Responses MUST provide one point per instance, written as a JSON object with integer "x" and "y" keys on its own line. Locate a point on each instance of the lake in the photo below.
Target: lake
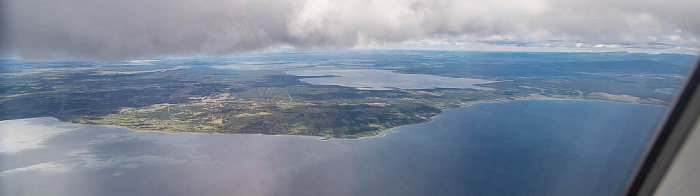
{"x": 375, "y": 79}
{"x": 528, "y": 147}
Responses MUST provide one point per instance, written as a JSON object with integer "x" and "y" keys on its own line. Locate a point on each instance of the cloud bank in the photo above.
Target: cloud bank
{"x": 114, "y": 29}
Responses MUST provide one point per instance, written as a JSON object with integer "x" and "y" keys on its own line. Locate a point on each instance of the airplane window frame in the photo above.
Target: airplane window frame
{"x": 669, "y": 139}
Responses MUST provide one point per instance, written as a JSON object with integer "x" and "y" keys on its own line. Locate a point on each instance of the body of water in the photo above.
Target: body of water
{"x": 670, "y": 91}
{"x": 374, "y": 79}
{"x": 533, "y": 147}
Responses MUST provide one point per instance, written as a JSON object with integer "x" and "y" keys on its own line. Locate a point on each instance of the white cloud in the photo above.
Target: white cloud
{"x": 607, "y": 46}
{"x": 144, "y": 28}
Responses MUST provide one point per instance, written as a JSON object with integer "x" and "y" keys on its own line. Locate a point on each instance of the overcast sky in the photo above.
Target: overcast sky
{"x": 119, "y": 29}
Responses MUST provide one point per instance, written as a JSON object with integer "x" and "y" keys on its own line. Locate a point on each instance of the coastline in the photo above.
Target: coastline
{"x": 380, "y": 133}
{"x": 388, "y": 131}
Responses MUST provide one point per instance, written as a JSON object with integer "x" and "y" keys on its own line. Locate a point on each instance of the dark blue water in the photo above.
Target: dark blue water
{"x": 541, "y": 147}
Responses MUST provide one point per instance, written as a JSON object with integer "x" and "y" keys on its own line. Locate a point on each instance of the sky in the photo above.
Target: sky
{"x": 130, "y": 29}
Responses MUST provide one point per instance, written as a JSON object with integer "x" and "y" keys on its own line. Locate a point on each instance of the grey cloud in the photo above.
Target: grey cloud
{"x": 127, "y": 28}
{"x": 113, "y": 29}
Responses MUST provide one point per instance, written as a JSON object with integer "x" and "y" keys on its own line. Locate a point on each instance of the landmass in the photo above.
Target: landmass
{"x": 333, "y": 95}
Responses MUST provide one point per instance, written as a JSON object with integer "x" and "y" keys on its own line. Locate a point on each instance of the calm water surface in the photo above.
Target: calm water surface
{"x": 375, "y": 79}
{"x": 535, "y": 147}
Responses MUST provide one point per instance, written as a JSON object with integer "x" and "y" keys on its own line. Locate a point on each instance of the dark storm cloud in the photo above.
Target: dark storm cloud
{"x": 111, "y": 29}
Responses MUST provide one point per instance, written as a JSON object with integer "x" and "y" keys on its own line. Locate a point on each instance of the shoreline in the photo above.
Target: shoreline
{"x": 381, "y": 133}
{"x": 388, "y": 131}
